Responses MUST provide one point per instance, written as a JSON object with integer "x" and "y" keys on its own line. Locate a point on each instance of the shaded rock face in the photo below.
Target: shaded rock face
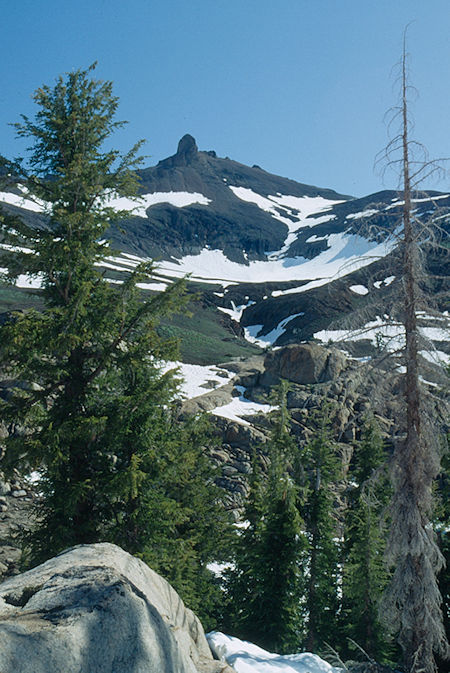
{"x": 187, "y": 146}
{"x": 96, "y": 609}
{"x": 303, "y": 364}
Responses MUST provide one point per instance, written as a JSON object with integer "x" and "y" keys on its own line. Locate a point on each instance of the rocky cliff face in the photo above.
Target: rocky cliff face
{"x": 96, "y": 609}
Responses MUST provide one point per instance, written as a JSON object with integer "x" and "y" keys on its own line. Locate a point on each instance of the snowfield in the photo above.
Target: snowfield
{"x": 36, "y": 205}
{"x": 298, "y": 211}
{"x": 138, "y": 206}
{"x": 245, "y": 657}
{"x": 346, "y": 253}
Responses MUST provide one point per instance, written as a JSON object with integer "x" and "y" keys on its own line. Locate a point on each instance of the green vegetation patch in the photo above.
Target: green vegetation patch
{"x": 204, "y": 339}
{"x": 15, "y": 298}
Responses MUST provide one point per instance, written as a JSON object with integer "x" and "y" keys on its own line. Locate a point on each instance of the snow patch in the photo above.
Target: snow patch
{"x": 235, "y": 312}
{"x": 252, "y": 331}
{"x": 36, "y": 205}
{"x": 241, "y": 406}
{"x": 362, "y": 213}
{"x": 314, "y": 238}
{"x": 382, "y": 333}
{"x": 390, "y": 337}
{"x": 296, "y": 211}
{"x": 359, "y": 289}
{"x": 199, "y": 379}
{"x": 29, "y": 282}
{"x": 244, "y": 657}
{"x": 436, "y": 357}
{"x": 346, "y": 253}
{"x": 139, "y": 206}
{"x": 387, "y": 281}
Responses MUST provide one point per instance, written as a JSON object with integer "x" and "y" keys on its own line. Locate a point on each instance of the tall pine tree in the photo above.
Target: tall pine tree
{"x": 97, "y": 409}
{"x": 365, "y": 575}
{"x": 265, "y": 587}
{"x": 321, "y": 464}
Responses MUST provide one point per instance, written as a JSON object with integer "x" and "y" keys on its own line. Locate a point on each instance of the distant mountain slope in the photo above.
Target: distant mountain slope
{"x": 274, "y": 261}
{"x": 221, "y": 219}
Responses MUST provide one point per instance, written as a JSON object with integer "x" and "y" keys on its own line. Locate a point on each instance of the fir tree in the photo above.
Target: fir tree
{"x": 365, "y": 575}
{"x": 115, "y": 462}
{"x": 322, "y": 470}
{"x": 266, "y": 584}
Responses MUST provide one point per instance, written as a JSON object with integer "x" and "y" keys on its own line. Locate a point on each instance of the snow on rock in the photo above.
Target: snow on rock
{"x": 29, "y": 282}
{"x": 435, "y": 333}
{"x": 241, "y": 406}
{"x": 359, "y": 289}
{"x": 346, "y": 253}
{"x": 398, "y": 202}
{"x": 34, "y": 204}
{"x": 315, "y": 239}
{"x": 392, "y": 335}
{"x": 245, "y": 657}
{"x": 235, "y": 312}
{"x": 252, "y": 331}
{"x": 362, "y": 213}
{"x": 436, "y": 357}
{"x": 387, "y": 281}
{"x": 139, "y": 205}
{"x": 297, "y": 211}
{"x": 389, "y": 335}
{"x": 199, "y": 379}
{"x": 24, "y": 280}
{"x": 155, "y": 287}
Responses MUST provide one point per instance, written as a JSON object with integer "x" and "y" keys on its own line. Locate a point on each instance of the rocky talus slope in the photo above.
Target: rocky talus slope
{"x": 353, "y": 390}
{"x": 316, "y": 374}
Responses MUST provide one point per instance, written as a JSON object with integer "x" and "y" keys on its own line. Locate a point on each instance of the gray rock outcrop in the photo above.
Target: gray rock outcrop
{"x": 303, "y": 363}
{"x": 96, "y": 609}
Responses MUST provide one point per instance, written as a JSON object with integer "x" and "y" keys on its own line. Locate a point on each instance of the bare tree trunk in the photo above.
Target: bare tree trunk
{"x": 412, "y": 600}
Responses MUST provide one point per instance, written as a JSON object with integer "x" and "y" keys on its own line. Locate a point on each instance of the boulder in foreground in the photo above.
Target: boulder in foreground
{"x": 96, "y": 609}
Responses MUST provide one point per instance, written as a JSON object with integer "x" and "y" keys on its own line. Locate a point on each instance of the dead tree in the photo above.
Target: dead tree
{"x": 412, "y": 603}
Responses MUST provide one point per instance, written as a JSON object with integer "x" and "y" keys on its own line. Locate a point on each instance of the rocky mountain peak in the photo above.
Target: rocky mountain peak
{"x": 187, "y": 146}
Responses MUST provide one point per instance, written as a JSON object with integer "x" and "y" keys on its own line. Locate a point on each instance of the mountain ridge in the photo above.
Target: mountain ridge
{"x": 276, "y": 260}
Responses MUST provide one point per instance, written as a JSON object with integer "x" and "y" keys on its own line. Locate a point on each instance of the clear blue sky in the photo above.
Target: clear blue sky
{"x": 299, "y": 87}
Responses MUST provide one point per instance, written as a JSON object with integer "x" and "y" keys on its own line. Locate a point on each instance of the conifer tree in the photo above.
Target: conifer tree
{"x": 322, "y": 469}
{"x": 365, "y": 575}
{"x": 97, "y": 409}
{"x": 266, "y": 584}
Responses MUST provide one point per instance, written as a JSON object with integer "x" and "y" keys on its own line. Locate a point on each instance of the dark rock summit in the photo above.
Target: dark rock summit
{"x": 187, "y": 146}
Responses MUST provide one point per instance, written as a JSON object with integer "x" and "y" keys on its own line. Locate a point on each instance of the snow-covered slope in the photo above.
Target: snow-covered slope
{"x": 280, "y": 260}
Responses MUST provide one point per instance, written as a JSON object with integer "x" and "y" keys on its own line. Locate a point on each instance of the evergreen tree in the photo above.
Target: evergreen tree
{"x": 98, "y": 412}
{"x": 365, "y": 574}
{"x": 266, "y": 585}
{"x": 322, "y": 469}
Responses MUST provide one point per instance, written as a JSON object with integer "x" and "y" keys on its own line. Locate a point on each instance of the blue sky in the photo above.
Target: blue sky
{"x": 299, "y": 87}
